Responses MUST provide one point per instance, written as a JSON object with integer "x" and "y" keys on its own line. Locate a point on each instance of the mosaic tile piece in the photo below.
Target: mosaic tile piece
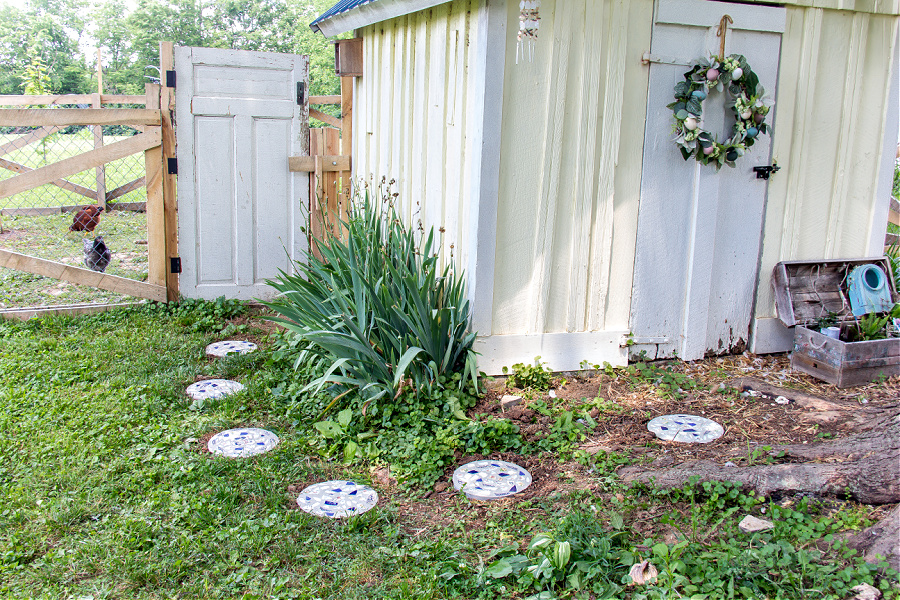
{"x": 490, "y": 479}
{"x": 337, "y": 499}
{"x": 685, "y": 428}
{"x": 238, "y": 443}
{"x": 209, "y": 389}
{"x": 229, "y": 347}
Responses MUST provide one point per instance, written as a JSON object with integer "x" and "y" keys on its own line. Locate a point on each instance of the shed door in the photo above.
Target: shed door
{"x": 699, "y": 230}
{"x": 239, "y": 208}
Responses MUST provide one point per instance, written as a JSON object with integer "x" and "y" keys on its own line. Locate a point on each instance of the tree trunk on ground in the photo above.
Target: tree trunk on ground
{"x": 881, "y": 539}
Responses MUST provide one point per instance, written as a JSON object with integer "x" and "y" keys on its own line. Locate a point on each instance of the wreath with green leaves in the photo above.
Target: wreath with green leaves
{"x": 748, "y": 102}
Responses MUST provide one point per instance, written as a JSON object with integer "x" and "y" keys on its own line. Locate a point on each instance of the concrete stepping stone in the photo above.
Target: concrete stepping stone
{"x": 685, "y": 428}
{"x": 210, "y": 389}
{"x": 490, "y": 479}
{"x": 337, "y": 499}
{"x": 240, "y": 443}
{"x": 225, "y": 347}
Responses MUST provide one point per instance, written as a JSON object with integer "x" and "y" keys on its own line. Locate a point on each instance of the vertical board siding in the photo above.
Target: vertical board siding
{"x": 829, "y": 135}
{"x": 573, "y": 124}
{"x": 411, "y": 120}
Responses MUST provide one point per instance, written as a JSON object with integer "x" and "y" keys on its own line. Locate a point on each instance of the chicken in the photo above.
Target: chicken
{"x": 96, "y": 254}
{"x": 86, "y": 218}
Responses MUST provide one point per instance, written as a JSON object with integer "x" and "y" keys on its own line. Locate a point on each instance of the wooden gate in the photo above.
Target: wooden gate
{"x": 155, "y": 127}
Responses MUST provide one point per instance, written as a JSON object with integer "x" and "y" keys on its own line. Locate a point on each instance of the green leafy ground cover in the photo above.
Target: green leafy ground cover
{"x": 106, "y": 493}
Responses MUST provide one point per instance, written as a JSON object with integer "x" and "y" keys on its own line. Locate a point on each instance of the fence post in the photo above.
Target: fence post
{"x": 170, "y": 202}
{"x": 156, "y": 222}
{"x": 98, "y": 143}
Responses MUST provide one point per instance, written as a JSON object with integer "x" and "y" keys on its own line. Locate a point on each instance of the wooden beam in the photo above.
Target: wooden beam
{"x": 336, "y": 99}
{"x": 80, "y": 276}
{"x": 25, "y": 313}
{"x": 27, "y": 139}
{"x": 17, "y": 100}
{"x": 79, "y": 163}
{"x": 124, "y": 189}
{"x": 60, "y": 183}
{"x": 307, "y": 164}
{"x": 100, "y": 170}
{"x": 325, "y": 118}
{"x": 40, "y": 211}
{"x": 156, "y": 219}
{"x": 894, "y": 212}
{"x": 170, "y": 200}
{"x": 347, "y": 116}
{"x": 128, "y": 206}
{"x": 64, "y": 117}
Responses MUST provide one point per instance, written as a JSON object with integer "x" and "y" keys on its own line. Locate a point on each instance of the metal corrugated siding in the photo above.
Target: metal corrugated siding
{"x": 411, "y": 115}
{"x": 829, "y": 137}
{"x": 573, "y": 128}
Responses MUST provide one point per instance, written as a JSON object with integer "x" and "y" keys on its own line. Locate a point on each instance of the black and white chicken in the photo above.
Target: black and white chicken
{"x": 96, "y": 254}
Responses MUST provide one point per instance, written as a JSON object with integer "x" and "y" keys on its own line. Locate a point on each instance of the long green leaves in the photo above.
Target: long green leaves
{"x": 376, "y": 308}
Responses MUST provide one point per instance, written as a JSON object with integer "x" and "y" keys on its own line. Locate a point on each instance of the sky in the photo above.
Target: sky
{"x": 16, "y": 3}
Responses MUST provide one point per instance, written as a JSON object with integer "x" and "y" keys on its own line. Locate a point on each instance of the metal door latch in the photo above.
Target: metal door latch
{"x": 764, "y": 172}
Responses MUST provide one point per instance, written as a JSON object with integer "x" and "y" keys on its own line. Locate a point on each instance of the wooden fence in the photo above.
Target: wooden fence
{"x": 893, "y": 239}
{"x": 156, "y": 141}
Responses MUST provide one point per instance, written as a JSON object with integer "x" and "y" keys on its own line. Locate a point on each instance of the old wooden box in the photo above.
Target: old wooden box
{"x": 807, "y": 291}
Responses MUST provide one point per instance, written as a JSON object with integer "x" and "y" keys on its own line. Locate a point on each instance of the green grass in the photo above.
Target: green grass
{"x": 104, "y": 494}
{"x": 49, "y": 237}
{"x": 60, "y": 146}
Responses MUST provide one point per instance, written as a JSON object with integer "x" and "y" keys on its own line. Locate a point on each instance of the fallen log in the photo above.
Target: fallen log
{"x": 880, "y": 540}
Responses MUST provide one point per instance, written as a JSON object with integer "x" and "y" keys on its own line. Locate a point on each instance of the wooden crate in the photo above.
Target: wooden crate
{"x": 844, "y": 363}
{"x": 806, "y": 291}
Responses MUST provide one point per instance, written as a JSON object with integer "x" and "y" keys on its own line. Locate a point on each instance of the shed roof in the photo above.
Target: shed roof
{"x": 353, "y": 14}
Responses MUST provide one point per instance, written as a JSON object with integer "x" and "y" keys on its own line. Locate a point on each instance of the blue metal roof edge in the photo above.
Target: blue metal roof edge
{"x": 341, "y": 7}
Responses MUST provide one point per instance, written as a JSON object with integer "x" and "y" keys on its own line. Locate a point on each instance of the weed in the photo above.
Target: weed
{"x": 529, "y": 377}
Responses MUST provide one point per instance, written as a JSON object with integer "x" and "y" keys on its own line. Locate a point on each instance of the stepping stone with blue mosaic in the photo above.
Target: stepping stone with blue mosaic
{"x": 337, "y": 499}
{"x": 490, "y": 479}
{"x": 240, "y": 443}
{"x": 685, "y": 428}
{"x": 225, "y": 347}
{"x": 212, "y": 389}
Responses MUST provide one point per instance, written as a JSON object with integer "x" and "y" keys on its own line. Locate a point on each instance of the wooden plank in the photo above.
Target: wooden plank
{"x": 127, "y": 206}
{"x": 325, "y": 118}
{"x": 124, "y": 189}
{"x": 38, "y": 212}
{"x": 25, "y": 313}
{"x": 333, "y": 207}
{"x": 346, "y": 116}
{"x": 156, "y": 218}
{"x": 348, "y": 57}
{"x": 79, "y": 163}
{"x": 61, "y": 183}
{"x": 16, "y": 100}
{"x": 170, "y": 200}
{"x": 100, "y": 170}
{"x": 27, "y": 139}
{"x": 891, "y": 239}
{"x": 64, "y": 117}
{"x": 80, "y": 276}
{"x": 316, "y": 205}
{"x": 333, "y": 99}
{"x": 307, "y": 164}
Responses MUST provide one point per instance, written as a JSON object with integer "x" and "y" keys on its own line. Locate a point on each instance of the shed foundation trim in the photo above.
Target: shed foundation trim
{"x": 559, "y": 351}
{"x": 770, "y": 335}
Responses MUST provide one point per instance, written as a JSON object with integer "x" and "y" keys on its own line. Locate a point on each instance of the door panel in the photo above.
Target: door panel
{"x": 699, "y": 229}
{"x": 240, "y": 209}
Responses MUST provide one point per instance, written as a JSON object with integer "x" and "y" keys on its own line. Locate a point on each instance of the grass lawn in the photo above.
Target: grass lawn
{"x": 106, "y": 492}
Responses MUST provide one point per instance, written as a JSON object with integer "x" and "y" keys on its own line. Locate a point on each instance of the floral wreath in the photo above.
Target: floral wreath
{"x": 750, "y": 106}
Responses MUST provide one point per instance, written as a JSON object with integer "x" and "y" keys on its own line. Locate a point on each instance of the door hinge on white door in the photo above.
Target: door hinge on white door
{"x": 648, "y": 58}
{"x": 172, "y": 166}
{"x": 170, "y": 79}
{"x": 301, "y": 93}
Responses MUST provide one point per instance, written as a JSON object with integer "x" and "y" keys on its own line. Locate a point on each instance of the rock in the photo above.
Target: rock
{"x": 440, "y": 486}
{"x": 730, "y": 464}
{"x": 750, "y": 524}
{"x": 782, "y": 400}
{"x": 864, "y": 591}
{"x": 552, "y": 393}
{"x": 508, "y": 401}
{"x": 595, "y": 413}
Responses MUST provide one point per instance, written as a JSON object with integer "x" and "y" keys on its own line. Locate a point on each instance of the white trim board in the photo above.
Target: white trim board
{"x": 769, "y": 335}
{"x": 559, "y": 351}
{"x": 371, "y": 13}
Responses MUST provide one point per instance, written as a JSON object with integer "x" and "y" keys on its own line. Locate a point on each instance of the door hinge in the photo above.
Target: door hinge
{"x": 175, "y": 264}
{"x": 301, "y": 93}
{"x": 172, "y": 166}
{"x": 170, "y": 79}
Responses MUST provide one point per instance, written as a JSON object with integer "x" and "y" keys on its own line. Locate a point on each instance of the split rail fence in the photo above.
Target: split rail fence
{"x": 155, "y": 139}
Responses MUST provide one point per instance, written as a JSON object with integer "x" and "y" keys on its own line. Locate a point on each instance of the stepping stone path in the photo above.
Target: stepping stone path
{"x": 223, "y": 348}
{"x": 685, "y": 428}
{"x": 239, "y": 443}
{"x": 490, "y": 479}
{"x": 209, "y": 389}
{"x": 337, "y": 499}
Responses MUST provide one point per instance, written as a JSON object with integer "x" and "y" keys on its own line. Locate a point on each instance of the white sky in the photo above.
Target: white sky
{"x": 16, "y": 3}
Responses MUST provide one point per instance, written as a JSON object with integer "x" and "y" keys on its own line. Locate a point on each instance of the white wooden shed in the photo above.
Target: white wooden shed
{"x": 558, "y": 183}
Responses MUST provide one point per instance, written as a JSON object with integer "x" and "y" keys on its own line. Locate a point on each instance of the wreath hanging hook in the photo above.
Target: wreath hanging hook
{"x": 724, "y": 22}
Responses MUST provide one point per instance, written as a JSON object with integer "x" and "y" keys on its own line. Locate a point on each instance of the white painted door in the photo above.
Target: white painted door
{"x": 240, "y": 214}
{"x": 699, "y": 229}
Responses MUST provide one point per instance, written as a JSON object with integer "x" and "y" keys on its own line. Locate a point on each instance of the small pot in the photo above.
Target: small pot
{"x": 832, "y": 332}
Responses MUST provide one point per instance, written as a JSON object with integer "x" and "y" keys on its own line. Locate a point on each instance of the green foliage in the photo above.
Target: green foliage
{"x": 874, "y": 326}
{"x": 377, "y": 309}
{"x": 199, "y": 316}
{"x": 530, "y": 377}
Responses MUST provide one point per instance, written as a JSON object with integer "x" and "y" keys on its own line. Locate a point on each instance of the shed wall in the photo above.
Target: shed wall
{"x": 829, "y": 139}
{"x": 570, "y": 171}
{"x": 412, "y": 115}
